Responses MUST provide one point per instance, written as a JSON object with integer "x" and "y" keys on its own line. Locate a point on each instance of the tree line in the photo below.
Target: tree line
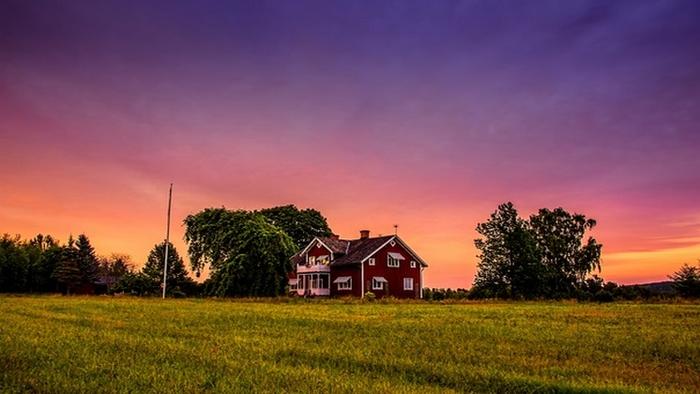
{"x": 550, "y": 255}
{"x": 43, "y": 265}
{"x": 247, "y": 253}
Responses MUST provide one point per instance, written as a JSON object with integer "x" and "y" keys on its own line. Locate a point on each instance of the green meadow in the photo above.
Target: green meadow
{"x": 110, "y": 344}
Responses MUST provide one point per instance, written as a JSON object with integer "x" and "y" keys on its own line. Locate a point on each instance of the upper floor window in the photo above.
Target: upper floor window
{"x": 413, "y": 264}
{"x": 312, "y": 260}
{"x": 393, "y": 259}
{"x": 323, "y": 260}
{"x": 408, "y": 283}
{"x": 371, "y": 261}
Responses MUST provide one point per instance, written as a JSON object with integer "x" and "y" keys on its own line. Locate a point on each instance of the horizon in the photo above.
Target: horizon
{"x": 423, "y": 115}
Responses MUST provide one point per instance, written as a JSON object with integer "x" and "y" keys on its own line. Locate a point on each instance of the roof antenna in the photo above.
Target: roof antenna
{"x": 396, "y": 229}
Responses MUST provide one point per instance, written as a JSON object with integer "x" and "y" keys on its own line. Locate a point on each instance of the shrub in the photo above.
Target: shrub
{"x": 604, "y": 296}
{"x": 369, "y": 296}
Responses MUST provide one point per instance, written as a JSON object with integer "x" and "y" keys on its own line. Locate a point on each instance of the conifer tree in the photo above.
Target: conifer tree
{"x": 87, "y": 260}
{"x": 67, "y": 272}
{"x": 178, "y": 280}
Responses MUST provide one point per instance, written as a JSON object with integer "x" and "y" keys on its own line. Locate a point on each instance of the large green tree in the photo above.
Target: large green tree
{"x": 509, "y": 263}
{"x": 567, "y": 259}
{"x": 211, "y": 236}
{"x": 178, "y": 280}
{"x": 542, "y": 257}
{"x": 246, "y": 253}
{"x": 300, "y": 224}
{"x": 13, "y": 264}
{"x": 44, "y": 255}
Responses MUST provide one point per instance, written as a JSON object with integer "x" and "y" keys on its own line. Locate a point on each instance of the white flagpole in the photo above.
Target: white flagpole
{"x": 167, "y": 242}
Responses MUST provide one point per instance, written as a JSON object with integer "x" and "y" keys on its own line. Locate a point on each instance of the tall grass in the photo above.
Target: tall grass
{"x": 103, "y": 344}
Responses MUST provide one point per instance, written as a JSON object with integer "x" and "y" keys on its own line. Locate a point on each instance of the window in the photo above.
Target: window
{"x": 323, "y": 260}
{"x": 413, "y": 264}
{"x": 371, "y": 261}
{"x": 378, "y": 283}
{"x": 344, "y": 282}
{"x": 392, "y": 261}
{"x": 408, "y": 283}
{"x": 312, "y": 260}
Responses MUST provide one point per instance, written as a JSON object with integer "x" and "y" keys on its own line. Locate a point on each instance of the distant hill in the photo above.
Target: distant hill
{"x": 657, "y": 288}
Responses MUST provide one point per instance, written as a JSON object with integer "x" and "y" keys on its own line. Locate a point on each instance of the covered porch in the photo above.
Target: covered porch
{"x": 311, "y": 284}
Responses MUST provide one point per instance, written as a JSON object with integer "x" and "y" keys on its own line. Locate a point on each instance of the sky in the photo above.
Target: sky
{"x": 416, "y": 113}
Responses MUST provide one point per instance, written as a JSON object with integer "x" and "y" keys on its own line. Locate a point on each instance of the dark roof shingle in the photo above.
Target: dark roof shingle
{"x": 359, "y": 249}
{"x": 337, "y": 245}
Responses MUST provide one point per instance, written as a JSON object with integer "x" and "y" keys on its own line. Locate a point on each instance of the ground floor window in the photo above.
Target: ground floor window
{"x": 408, "y": 283}
{"x": 378, "y": 283}
{"x": 344, "y": 282}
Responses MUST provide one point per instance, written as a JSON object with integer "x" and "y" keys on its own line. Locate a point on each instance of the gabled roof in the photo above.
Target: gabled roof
{"x": 353, "y": 251}
{"x": 335, "y": 244}
{"x": 359, "y": 249}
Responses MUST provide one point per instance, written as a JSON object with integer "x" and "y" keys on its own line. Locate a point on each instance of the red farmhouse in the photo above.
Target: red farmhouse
{"x": 330, "y": 266}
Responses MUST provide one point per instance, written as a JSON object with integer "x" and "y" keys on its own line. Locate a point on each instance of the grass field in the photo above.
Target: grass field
{"x": 103, "y": 344}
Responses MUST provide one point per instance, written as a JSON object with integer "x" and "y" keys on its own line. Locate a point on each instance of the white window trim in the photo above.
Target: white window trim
{"x": 374, "y": 286}
{"x": 345, "y": 285}
{"x": 371, "y": 261}
{"x": 404, "y": 283}
{"x": 389, "y": 260}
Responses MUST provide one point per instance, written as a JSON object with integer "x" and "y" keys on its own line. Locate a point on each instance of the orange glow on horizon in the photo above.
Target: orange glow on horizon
{"x": 130, "y": 218}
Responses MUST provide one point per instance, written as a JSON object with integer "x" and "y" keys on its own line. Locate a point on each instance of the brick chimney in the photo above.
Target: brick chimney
{"x": 364, "y": 234}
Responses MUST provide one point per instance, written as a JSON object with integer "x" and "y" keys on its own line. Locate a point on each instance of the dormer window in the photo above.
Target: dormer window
{"x": 323, "y": 260}
{"x": 312, "y": 260}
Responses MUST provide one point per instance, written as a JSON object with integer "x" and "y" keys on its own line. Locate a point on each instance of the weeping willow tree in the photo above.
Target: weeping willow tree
{"x": 246, "y": 254}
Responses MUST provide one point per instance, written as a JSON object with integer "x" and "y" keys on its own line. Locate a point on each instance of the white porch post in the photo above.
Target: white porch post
{"x": 421, "y": 282}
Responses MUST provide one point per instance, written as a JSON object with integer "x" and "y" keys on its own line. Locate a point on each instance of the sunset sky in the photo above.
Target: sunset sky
{"x": 422, "y": 114}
